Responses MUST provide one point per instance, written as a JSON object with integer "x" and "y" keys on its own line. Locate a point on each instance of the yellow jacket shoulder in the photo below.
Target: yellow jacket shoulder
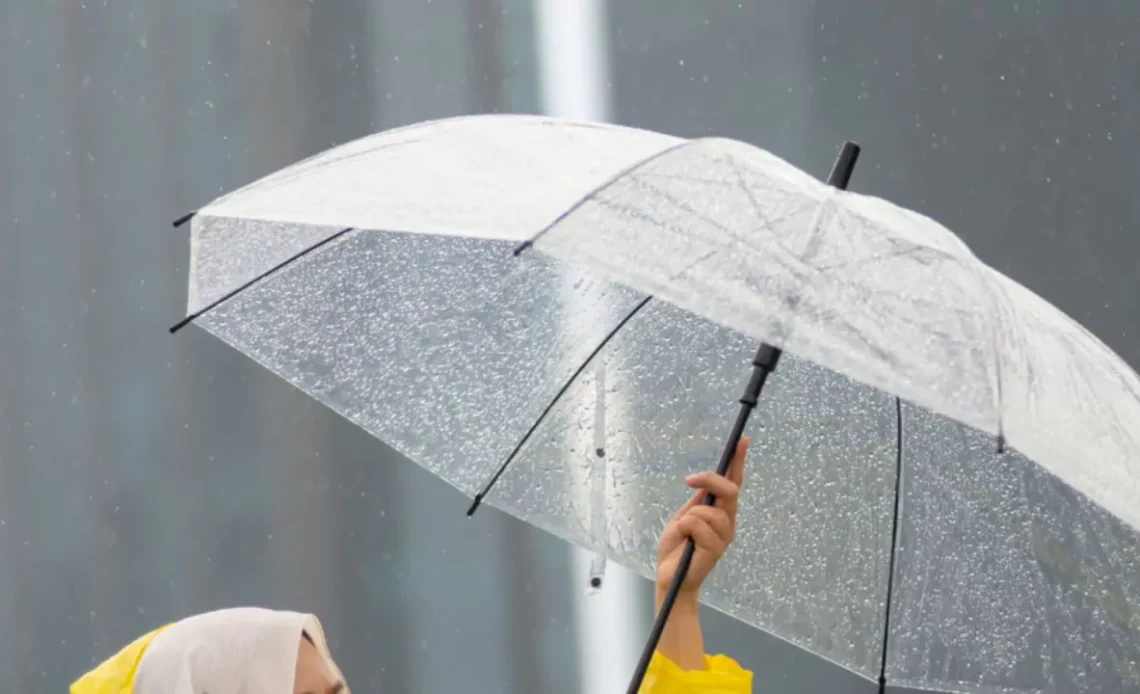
{"x": 722, "y": 675}
{"x": 116, "y": 675}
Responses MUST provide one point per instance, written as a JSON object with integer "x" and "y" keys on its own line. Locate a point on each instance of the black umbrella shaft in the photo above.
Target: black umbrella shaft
{"x": 763, "y": 364}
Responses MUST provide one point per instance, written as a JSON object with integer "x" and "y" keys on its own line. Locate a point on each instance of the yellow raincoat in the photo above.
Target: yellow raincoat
{"x": 247, "y": 650}
{"x": 721, "y": 676}
{"x": 116, "y": 675}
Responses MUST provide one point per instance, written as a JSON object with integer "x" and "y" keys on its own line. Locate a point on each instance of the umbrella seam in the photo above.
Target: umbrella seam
{"x": 599, "y": 188}
{"x": 482, "y": 494}
{"x": 271, "y": 271}
{"x": 894, "y": 543}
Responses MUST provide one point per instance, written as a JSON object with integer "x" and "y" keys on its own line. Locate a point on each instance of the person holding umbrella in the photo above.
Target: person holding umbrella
{"x": 680, "y": 665}
{"x": 260, "y": 651}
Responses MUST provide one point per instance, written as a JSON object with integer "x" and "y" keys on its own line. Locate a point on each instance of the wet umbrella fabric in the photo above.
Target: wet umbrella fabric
{"x": 380, "y": 277}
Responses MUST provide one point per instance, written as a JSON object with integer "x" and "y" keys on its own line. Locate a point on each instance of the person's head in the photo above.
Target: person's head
{"x": 240, "y": 651}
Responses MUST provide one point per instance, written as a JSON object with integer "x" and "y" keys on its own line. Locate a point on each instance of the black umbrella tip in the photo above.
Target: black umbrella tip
{"x": 475, "y": 503}
{"x": 183, "y": 219}
{"x": 182, "y": 324}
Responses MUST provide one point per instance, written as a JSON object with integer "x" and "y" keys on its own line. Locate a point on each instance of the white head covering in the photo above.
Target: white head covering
{"x": 243, "y": 650}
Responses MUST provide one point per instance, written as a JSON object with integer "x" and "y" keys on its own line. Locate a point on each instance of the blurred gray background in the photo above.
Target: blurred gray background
{"x": 144, "y": 476}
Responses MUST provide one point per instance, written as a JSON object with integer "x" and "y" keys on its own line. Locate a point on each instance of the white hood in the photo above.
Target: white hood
{"x": 235, "y": 651}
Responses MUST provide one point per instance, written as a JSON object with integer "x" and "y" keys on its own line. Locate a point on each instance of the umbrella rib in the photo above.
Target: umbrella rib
{"x": 279, "y": 266}
{"x": 478, "y": 500}
{"x": 894, "y": 543}
{"x": 597, "y": 190}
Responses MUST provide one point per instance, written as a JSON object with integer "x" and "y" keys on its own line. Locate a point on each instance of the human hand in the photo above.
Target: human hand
{"x": 712, "y": 528}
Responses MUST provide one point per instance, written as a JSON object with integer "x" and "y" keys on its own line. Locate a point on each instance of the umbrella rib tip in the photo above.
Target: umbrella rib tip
{"x": 475, "y": 503}
{"x": 183, "y": 219}
{"x": 182, "y": 323}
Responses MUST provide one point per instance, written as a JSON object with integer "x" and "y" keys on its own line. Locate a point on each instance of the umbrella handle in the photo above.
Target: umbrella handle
{"x": 763, "y": 364}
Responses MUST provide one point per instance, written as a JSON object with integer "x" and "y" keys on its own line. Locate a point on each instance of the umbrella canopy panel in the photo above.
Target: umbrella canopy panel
{"x": 500, "y": 177}
{"x": 1006, "y": 579}
{"x": 446, "y": 348}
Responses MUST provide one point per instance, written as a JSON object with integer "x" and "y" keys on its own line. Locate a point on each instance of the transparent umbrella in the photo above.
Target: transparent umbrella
{"x": 559, "y": 316}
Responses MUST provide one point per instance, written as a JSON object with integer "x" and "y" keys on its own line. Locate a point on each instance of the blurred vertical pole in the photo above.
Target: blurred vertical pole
{"x": 573, "y": 58}
{"x": 573, "y": 65}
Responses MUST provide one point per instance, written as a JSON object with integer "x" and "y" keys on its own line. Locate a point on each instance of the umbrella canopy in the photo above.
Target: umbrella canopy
{"x": 946, "y": 465}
